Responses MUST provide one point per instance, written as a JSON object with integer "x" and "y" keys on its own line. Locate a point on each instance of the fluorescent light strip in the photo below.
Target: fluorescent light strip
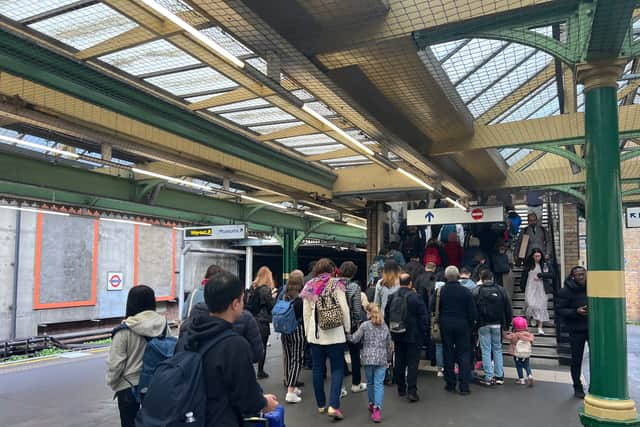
{"x": 456, "y": 204}
{"x": 335, "y": 128}
{"x": 16, "y": 208}
{"x": 124, "y": 221}
{"x": 362, "y": 227}
{"x": 173, "y": 180}
{"x": 219, "y": 50}
{"x": 319, "y": 216}
{"x": 264, "y": 202}
{"x": 416, "y": 179}
{"x": 38, "y": 146}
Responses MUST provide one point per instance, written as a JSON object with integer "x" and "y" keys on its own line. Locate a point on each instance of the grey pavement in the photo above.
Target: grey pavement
{"x": 71, "y": 392}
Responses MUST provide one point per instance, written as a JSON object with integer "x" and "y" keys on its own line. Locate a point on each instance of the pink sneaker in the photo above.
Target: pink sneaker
{"x": 478, "y": 365}
{"x": 370, "y": 406}
{"x": 376, "y": 416}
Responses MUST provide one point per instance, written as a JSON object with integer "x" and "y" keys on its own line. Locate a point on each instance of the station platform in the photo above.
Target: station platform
{"x": 69, "y": 390}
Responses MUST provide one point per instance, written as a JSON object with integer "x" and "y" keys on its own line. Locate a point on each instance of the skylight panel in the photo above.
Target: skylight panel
{"x": 470, "y": 56}
{"x": 443, "y": 49}
{"x": 321, "y": 108}
{"x": 263, "y": 115}
{"x": 85, "y": 27}
{"x": 322, "y": 149}
{"x": 265, "y": 129}
{"x": 509, "y": 83}
{"x": 302, "y": 95}
{"x": 23, "y": 9}
{"x": 299, "y": 141}
{"x": 521, "y": 154}
{"x": 548, "y": 109}
{"x": 149, "y": 58}
{"x": 259, "y": 64}
{"x": 227, "y": 41}
{"x": 492, "y": 70}
{"x": 252, "y": 103}
{"x": 192, "y": 81}
{"x": 532, "y": 104}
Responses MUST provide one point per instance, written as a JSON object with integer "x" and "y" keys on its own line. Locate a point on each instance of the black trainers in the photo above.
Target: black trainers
{"x": 262, "y": 375}
{"x": 465, "y": 392}
{"x": 499, "y": 380}
{"x": 450, "y": 388}
{"x": 402, "y": 393}
{"x": 578, "y": 392}
{"x": 413, "y": 397}
{"x": 485, "y": 382}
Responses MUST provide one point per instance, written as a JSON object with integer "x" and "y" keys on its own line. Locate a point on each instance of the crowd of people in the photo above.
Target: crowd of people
{"x": 456, "y": 316}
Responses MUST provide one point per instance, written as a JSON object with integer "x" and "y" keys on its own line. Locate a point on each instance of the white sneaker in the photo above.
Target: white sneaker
{"x": 359, "y": 388}
{"x": 540, "y": 331}
{"x": 297, "y": 391}
{"x": 343, "y": 392}
{"x": 292, "y": 398}
{"x": 440, "y": 373}
{"x": 521, "y": 381}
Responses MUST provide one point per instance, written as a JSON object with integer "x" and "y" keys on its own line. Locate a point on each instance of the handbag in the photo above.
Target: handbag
{"x": 436, "y": 336}
{"x": 328, "y": 310}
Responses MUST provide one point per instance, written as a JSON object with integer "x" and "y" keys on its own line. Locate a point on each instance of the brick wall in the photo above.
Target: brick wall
{"x": 571, "y": 246}
{"x": 632, "y": 272}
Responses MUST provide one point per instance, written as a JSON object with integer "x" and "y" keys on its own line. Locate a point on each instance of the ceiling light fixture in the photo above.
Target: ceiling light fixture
{"x": 17, "y": 208}
{"x": 336, "y": 129}
{"x": 361, "y": 227}
{"x": 173, "y": 180}
{"x": 38, "y": 146}
{"x": 416, "y": 179}
{"x": 124, "y": 221}
{"x": 456, "y": 204}
{"x": 264, "y": 202}
{"x": 326, "y": 218}
{"x": 219, "y": 50}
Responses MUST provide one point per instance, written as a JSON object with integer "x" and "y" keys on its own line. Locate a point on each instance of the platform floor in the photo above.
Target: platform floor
{"x": 70, "y": 392}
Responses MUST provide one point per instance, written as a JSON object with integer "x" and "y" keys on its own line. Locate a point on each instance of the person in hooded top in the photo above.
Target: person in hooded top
{"x": 124, "y": 363}
{"x": 197, "y": 295}
{"x": 232, "y": 388}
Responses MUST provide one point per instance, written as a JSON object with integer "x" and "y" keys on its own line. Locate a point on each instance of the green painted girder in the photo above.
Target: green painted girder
{"x": 611, "y": 27}
{"x": 569, "y": 189}
{"x": 558, "y": 150}
{"x": 632, "y": 192}
{"x": 631, "y": 154}
{"x": 49, "y": 181}
{"x": 30, "y": 61}
{"x": 515, "y": 26}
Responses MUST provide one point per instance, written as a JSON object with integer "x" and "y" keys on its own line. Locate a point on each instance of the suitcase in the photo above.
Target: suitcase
{"x": 270, "y": 419}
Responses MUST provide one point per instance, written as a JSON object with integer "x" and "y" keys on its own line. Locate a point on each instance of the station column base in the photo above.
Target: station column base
{"x": 599, "y": 412}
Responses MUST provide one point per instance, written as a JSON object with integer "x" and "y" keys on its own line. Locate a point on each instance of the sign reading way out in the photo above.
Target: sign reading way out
{"x": 216, "y": 232}
{"x": 455, "y": 215}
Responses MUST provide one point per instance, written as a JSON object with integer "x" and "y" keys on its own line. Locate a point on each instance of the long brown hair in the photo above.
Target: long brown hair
{"x": 264, "y": 277}
{"x": 324, "y": 265}
{"x": 375, "y": 314}
{"x": 390, "y": 274}
{"x": 294, "y": 284}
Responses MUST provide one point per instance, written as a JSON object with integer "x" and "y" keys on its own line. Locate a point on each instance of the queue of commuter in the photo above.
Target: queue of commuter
{"x": 459, "y": 314}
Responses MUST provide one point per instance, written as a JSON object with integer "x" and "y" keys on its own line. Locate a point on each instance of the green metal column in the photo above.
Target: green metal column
{"x": 607, "y": 403}
{"x": 289, "y": 253}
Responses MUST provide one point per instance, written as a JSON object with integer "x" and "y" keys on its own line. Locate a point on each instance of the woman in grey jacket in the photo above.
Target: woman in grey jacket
{"x": 127, "y": 348}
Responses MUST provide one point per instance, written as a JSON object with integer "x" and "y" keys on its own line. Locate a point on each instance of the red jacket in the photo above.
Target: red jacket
{"x": 454, "y": 253}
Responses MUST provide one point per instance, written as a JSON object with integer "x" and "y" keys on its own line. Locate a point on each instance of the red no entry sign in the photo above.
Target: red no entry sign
{"x": 477, "y": 214}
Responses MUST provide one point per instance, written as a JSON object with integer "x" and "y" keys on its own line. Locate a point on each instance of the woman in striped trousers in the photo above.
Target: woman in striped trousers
{"x": 293, "y": 344}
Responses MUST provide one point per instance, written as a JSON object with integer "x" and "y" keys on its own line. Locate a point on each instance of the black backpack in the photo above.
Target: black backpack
{"x": 252, "y": 301}
{"x": 491, "y": 304}
{"x": 177, "y": 394}
{"x": 398, "y": 312}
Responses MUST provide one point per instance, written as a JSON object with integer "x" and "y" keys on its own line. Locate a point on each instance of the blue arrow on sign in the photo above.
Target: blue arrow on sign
{"x": 429, "y": 216}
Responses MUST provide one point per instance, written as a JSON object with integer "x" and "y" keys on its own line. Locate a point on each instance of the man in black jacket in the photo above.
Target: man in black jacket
{"x": 457, "y": 318}
{"x": 232, "y": 389}
{"x": 571, "y": 306}
{"x": 408, "y": 343}
{"x": 494, "y": 316}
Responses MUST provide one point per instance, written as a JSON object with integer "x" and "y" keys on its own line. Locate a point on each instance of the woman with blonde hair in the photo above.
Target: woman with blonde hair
{"x": 260, "y": 302}
{"x": 376, "y": 352}
{"x": 389, "y": 283}
{"x": 293, "y": 343}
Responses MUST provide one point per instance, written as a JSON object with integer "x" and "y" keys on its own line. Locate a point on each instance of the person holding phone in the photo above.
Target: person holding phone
{"x": 571, "y": 306}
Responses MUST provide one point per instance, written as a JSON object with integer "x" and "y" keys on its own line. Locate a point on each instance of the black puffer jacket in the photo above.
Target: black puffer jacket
{"x": 569, "y": 299}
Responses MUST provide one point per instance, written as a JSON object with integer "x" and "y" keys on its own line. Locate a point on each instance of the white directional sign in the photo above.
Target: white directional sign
{"x": 633, "y": 217}
{"x": 455, "y": 215}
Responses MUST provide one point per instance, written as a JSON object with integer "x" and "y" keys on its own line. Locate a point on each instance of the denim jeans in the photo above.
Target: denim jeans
{"x": 522, "y": 364}
{"x": 491, "y": 343}
{"x": 375, "y": 383}
{"x": 335, "y": 354}
{"x": 439, "y": 356}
